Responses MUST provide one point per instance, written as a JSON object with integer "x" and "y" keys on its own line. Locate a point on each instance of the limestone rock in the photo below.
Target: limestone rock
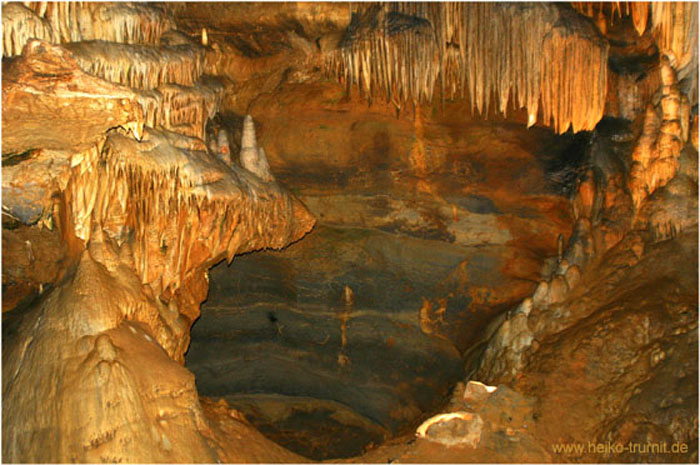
{"x": 656, "y": 156}
{"x": 558, "y": 290}
{"x": 19, "y": 25}
{"x": 476, "y": 392}
{"x": 30, "y": 180}
{"x": 451, "y": 429}
{"x": 671, "y": 209}
{"x": 573, "y": 276}
{"x": 142, "y": 220}
{"x": 252, "y": 157}
{"x": 49, "y": 103}
{"x": 540, "y": 297}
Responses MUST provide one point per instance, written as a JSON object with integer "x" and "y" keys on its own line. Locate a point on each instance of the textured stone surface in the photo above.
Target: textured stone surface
{"x": 49, "y": 103}
{"x": 435, "y": 224}
{"x": 430, "y": 255}
{"x": 141, "y": 216}
{"x": 617, "y": 346}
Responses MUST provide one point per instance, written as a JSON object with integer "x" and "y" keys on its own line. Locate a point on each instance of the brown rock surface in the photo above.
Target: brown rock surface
{"x": 49, "y": 103}
{"x": 562, "y": 268}
{"x": 599, "y": 375}
{"x": 143, "y": 220}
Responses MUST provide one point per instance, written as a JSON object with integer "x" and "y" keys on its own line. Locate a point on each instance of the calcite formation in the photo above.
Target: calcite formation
{"x": 545, "y": 58}
{"x": 674, "y": 26}
{"x": 62, "y": 22}
{"x": 49, "y": 103}
{"x": 19, "y": 25}
{"x": 676, "y": 30}
{"x": 452, "y": 429}
{"x": 609, "y": 12}
{"x": 142, "y": 145}
{"x": 182, "y": 109}
{"x": 144, "y": 213}
{"x": 139, "y": 66}
{"x": 252, "y": 157}
{"x": 665, "y": 131}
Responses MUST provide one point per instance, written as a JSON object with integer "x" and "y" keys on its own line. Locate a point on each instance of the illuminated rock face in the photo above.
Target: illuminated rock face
{"x": 539, "y": 59}
{"x": 665, "y": 132}
{"x": 49, "y": 103}
{"x": 142, "y": 145}
{"x": 429, "y": 256}
{"x": 61, "y": 22}
{"x": 144, "y": 213}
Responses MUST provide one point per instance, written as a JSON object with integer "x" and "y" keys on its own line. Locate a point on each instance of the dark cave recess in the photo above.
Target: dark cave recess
{"x": 327, "y": 378}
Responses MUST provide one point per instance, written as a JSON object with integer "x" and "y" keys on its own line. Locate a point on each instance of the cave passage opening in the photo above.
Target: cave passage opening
{"x": 355, "y": 334}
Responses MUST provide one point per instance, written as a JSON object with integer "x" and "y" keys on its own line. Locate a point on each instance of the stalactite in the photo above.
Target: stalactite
{"x": 610, "y": 11}
{"x": 574, "y": 79}
{"x": 129, "y": 23}
{"x": 675, "y": 28}
{"x": 185, "y": 110}
{"x": 151, "y": 102}
{"x": 382, "y": 61}
{"x": 640, "y": 15}
{"x": 673, "y": 24}
{"x": 163, "y": 190}
{"x": 19, "y": 24}
{"x": 139, "y": 66}
{"x": 525, "y": 55}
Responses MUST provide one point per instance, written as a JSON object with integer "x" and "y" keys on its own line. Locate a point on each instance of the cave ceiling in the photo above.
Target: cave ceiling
{"x": 357, "y": 231}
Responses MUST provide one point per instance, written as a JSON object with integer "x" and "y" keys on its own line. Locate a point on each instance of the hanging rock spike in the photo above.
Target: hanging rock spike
{"x": 528, "y": 54}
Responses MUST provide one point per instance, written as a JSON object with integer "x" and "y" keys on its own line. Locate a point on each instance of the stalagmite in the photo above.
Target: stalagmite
{"x": 348, "y": 296}
{"x": 223, "y": 148}
{"x": 252, "y": 157}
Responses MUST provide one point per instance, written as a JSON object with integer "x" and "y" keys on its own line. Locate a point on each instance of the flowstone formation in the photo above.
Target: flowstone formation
{"x": 362, "y": 232}
{"x": 143, "y": 211}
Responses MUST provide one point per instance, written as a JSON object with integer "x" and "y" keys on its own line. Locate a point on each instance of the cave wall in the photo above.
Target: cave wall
{"x": 444, "y": 178}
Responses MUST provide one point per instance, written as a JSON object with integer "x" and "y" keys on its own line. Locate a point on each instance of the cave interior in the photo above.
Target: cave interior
{"x": 349, "y": 232}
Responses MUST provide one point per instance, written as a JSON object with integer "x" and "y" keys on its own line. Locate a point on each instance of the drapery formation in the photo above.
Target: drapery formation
{"x": 61, "y": 22}
{"x": 541, "y": 57}
{"x": 674, "y": 26}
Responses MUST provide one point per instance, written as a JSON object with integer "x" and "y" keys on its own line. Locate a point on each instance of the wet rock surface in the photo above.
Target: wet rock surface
{"x": 374, "y": 308}
{"x": 458, "y": 237}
